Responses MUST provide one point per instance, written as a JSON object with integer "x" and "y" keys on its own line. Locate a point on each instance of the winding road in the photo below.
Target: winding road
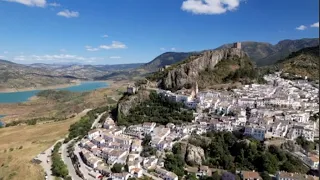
{"x": 46, "y": 165}
{"x": 68, "y": 162}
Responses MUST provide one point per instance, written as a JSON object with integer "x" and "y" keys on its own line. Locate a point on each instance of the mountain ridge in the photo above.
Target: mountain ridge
{"x": 262, "y": 53}
{"x": 201, "y": 68}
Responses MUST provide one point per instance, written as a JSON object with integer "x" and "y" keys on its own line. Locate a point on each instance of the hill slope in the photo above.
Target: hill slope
{"x": 85, "y": 71}
{"x": 17, "y": 76}
{"x": 304, "y": 62}
{"x": 266, "y": 54}
{"x": 164, "y": 59}
{"x": 207, "y": 68}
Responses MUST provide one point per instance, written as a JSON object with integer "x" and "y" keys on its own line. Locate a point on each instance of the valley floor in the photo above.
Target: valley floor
{"x": 20, "y": 144}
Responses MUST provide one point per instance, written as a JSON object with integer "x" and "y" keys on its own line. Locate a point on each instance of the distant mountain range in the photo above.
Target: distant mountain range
{"x": 167, "y": 58}
{"x": 18, "y": 76}
{"x": 261, "y": 53}
{"x": 266, "y": 54}
{"x": 85, "y": 71}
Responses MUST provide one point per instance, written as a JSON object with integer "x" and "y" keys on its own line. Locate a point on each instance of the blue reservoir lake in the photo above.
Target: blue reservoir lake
{"x": 23, "y": 96}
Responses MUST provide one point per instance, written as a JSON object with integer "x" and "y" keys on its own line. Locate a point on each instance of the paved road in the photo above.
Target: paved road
{"x": 97, "y": 120}
{"x": 83, "y": 167}
{"x": 68, "y": 162}
{"x": 44, "y": 157}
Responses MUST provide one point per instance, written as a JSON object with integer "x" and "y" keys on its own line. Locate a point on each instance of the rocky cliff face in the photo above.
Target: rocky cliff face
{"x": 127, "y": 102}
{"x": 194, "y": 155}
{"x": 188, "y": 72}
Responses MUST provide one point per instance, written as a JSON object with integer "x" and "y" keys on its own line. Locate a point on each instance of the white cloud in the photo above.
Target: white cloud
{"x": 54, "y": 4}
{"x": 173, "y": 49}
{"x": 114, "y": 45}
{"x": 2, "y": 57}
{"x": 316, "y": 25}
{"x": 210, "y": 6}
{"x": 115, "y": 57}
{"x": 68, "y": 14}
{"x": 56, "y": 58}
{"x": 162, "y": 49}
{"x": 301, "y": 27}
{"x": 89, "y": 48}
{"x": 5, "y": 52}
{"x": 105, "y": 36}
{"x": 19, "y": 58}
{"x": 37, "y": 3}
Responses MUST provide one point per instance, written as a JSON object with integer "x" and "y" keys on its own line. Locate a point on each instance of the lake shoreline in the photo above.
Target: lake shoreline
{"x": 58, "y": 86}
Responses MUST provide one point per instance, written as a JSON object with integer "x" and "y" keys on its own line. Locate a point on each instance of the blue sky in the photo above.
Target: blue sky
{"x": 129, "y": 31}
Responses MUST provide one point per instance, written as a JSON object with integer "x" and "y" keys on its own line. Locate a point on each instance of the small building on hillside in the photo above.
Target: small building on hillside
{"x": 250, "y": 175}
{"x": 294, "y": 176}
{"x": 237, "y": 45}
{"x": 132, "y": 89}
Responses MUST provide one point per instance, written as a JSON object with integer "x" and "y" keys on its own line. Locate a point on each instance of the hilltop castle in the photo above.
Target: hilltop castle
{"x": 237, "y": 45}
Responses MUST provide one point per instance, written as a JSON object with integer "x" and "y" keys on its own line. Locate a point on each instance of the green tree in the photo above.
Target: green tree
{"x": 176, "y": 149}
{"x": 131, "y": 178}
{"x": 68, "y": 178}
{"x": 146, "y": 140}
{"x": 306, "y": 145}
{"x": 216, "y": 176}
{"x": 191, "y": 176}
{"x": 269, "y": 163}
{"x": 175, "y": 163}
{"x": 117, "y": 168}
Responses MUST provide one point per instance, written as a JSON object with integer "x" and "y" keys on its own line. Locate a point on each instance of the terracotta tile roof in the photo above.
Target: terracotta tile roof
{"x": 296, "y": 176}
{"x": 250, "y": 175}
{"x": 314, "y": 158}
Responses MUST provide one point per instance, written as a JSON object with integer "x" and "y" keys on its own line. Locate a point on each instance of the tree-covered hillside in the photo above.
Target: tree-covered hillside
{"x": 155, "y": 109}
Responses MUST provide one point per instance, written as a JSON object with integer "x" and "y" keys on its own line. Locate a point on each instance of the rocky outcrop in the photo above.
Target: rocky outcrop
{"x": 127, "y": 102}
{"x": 194, "y": 155}
{"x": 188, "y": 72}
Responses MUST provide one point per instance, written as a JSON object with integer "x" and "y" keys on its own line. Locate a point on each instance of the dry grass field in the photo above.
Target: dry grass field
{"x": 20, "y": 144}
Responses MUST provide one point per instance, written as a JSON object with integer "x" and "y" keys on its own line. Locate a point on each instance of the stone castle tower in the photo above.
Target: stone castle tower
{"x": 237, "y": 45}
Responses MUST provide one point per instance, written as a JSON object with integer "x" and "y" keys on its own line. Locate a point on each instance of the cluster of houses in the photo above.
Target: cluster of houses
{"x": 103, "y": 147}
{"x": 279, "y": 109}
{"x": 252, "y": 175}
